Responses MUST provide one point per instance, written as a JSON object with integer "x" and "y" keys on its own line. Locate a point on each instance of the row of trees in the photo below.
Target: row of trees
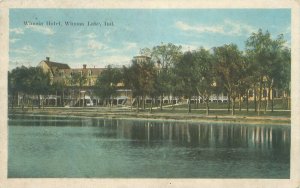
{"x": 264, "y": 65}
{"x": 28, "y": 81}
{"x": 34, "y": 82}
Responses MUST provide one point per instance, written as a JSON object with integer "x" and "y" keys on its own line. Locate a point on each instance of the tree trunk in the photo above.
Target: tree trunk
{"x": 18, "y": 102}
{"x": 39, "y": 101}
{"x": 207, "y": 107}
{"x": 260, "y": 95}
{"x": 31, "y": 103}
{"x": 270, "y": 89}
{"x": 288, "y": 100}
{"x": 173, "y": 106}
{"x": 272, "y": 101}
{"x": 189, "y": 105}
{"x": 63, "y": 98}
{"x": 143, "y": 102}
{"x": 138, "y": 104}
{"x": 131, "y": 103}
{"x": 111, "y": 102}
{"x": 247, "y": 100}
{"x": 229, "y": 102}
{"x": 151, "y": 105}
{"x": 23, "y": 100}
{"x": 83, "y": 101}
{"x": 233, "y": 106}
{"x": 266, "y": 100}
{"x": 79, "y": 99}
{"x": 283, "y": 101}
{"x": 12, "y": 100}
{"x": 161, "y": 103}
{"x": 255, "y": 102}
{"x": 240, "y": 103}
{"x": 56, "y": 98}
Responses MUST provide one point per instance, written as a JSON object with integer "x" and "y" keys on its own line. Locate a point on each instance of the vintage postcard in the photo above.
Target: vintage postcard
{"x": 131, "y": 94}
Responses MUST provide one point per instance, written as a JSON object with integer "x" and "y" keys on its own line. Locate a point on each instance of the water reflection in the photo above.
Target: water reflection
{"x": 42, "y": 146}
{"x": 207, "y": 135}
{"x": 180, "y": 133}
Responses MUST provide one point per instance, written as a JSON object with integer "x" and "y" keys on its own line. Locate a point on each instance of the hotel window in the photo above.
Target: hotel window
{"x": 250, "y": 93}
{"x": 264, "y": 93}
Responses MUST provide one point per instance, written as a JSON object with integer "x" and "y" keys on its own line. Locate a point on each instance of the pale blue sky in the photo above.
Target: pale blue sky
{"x": 133, "y": 29}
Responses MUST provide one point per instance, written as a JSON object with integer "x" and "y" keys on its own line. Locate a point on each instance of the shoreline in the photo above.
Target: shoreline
{"x": 117, "y": 113}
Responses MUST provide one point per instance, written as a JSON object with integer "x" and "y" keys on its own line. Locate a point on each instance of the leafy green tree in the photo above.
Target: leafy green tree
{"x": 28, "y": 81}
{"x": 185, "y": 71}
{"x": 78, "y": 79}
{"x": 17, "y": 83}
{"x": 281, "y": 74}
{"x": 107, "y": 83}
{"x": 40, "y": 82}
{"x": 229, "y": 60}
{"x": 131, "y": 82}
{"x": 59, "y": 88}
{"x": 265, "y": 54}
{"x": 204, "y": 73}
{"x": 140, "y": 77}
{"x": 165, "y": 55}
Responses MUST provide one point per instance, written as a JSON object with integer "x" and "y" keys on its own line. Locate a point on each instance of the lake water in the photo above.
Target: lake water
{"x": 46, "y": 147}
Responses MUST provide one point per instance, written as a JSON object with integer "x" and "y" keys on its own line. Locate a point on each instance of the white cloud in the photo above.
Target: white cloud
{"x": 80, "y": 35}
{"x": 130, "y": 45}
{"x": 198, "y": 28}
{"x": 18, "y": 31}
{"x": 25, "y": 55}
{"x": 101, "y": 62}
{"x": 80, "y": 52}
{"x": 228, "y": 27}
{"x": 27, "y": 49}
{"x": 95, "y": 45}
{"x": 91, "y": 36}
{"x": 107, "y": 35}
{"x": 238, "y": 28}
{"x": 13, "y": 40}
{"x": 41, "y": 29}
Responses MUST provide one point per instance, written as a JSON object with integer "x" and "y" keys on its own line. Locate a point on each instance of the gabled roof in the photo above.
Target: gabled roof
{"x": 56, "y": 65}
{"x": 94, "y": 71}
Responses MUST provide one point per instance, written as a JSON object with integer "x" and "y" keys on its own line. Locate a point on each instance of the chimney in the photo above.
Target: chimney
{"x": 47, "y": 59}
{"x": 84, "y": 66}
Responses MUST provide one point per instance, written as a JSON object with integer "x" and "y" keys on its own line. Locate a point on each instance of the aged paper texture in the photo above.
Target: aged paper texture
{"x": 9, "y": 33}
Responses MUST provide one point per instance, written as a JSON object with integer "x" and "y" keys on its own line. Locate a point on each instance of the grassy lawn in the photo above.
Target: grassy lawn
{"x": 217, "y": 110}
{"x": 223, "y": 112}
{"x": 279, "y": 104}
{"x": 280, "y": 109}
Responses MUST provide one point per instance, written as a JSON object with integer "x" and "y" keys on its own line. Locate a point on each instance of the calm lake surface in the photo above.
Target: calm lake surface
{"x": 46, "y": 147}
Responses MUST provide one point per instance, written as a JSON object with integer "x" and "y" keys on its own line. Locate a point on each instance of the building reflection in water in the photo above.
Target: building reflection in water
{"x": 178, "y": 133}
{"x": 197, "y": 134}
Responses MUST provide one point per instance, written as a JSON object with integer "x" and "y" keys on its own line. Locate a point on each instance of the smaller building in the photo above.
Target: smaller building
{"x": 62, "y": 73}
{"x": 56, "y": 70}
